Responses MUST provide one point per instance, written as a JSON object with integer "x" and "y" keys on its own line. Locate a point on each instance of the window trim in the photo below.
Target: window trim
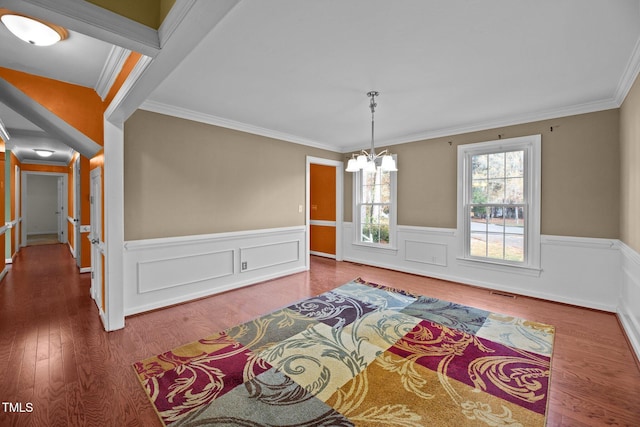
{"x": 393, "y": 215}
{"x": 531, "y": 145}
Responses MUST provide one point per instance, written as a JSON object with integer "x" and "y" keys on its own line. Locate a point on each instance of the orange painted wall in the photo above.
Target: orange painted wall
{"x": 127, "y": 67}
{"x": 79, "y": 106}
{"x": 323, "y": 208}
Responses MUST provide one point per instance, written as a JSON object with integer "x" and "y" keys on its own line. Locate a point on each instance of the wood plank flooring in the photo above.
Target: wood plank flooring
{"x": 55, "y": 354}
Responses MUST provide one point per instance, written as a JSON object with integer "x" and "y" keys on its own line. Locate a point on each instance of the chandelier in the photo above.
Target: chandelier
{"x": 370, "y": 161}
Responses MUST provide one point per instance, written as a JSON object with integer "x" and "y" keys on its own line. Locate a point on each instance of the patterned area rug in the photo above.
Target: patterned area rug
{"x": 361, "y": 354}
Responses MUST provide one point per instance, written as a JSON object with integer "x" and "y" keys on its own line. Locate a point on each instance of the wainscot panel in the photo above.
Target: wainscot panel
{"x": 579, "y": 271}
{"x": 629, "y": 308}
{"x": 167, "y": 271}
{"x": 163, "y": 273}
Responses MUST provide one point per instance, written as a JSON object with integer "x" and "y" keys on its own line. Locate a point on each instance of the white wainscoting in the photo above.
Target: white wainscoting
{"x": 162, "y": 272}
{"x": 579, "y": 271}
{"x": 629, "y": 304}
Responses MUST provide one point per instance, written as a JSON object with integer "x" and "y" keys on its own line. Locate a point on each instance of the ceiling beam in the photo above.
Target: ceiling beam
{"x": 57, "y": 128}
{"x": 91, "y": 20}
{"x": 187, "y": 24}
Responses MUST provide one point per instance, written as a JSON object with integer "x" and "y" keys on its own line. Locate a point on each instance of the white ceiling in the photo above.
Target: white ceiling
{"x": 299, "y": 70}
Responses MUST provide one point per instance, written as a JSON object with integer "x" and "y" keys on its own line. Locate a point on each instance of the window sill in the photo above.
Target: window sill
{"x": 375, "y": 248}
{"x": 504, "y": 268}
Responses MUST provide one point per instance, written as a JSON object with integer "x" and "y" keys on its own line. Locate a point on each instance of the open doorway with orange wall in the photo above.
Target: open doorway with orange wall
{"x": 324, "y": 207}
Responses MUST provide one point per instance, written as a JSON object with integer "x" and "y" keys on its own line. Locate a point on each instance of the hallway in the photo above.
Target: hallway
{"x": 47, "y": 324}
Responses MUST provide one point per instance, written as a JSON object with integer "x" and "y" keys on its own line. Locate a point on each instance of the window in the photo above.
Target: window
{"x": 499, "y": 202}
{"x": 374, "y": 208}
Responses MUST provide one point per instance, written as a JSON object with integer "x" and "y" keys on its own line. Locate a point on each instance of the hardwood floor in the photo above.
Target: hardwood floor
{"x": 55, "y": 355}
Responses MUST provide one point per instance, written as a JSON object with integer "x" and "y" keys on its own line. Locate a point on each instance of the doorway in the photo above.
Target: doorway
{"x": 77, "y": 210}
{"x": 324, "y": 207}
{"x": 44, "y": 208}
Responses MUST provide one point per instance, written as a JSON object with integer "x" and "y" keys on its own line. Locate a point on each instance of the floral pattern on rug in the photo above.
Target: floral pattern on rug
{"x": 361, "y": 354}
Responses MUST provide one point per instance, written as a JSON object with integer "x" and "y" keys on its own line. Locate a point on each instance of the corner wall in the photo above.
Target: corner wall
{"x": 629, "y": 299}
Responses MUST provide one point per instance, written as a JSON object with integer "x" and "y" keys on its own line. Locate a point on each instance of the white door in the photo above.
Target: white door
{"x": 61, "y": 211}
{"x": 96, "y": 236}
{"x": 77, "y": 211}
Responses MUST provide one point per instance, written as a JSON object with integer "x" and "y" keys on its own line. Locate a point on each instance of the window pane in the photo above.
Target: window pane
{"x": 515, "y": 164}
{"x": 496, "y": 191}
{"x": 514, "y": 190}
{"x": 376, "y": 187}
{"x": 497, "y": 232}
{"x": 370, "y": 193}
{"x": 479, "y": 167}
{"x": 496, "y": 165}
{"x": 514, "y": 247}
{"x": 495, "y": 246}
{"x": 479, "y": 191}
{"x": 369, "y": 178}
{"x": 374, "y": 223}
{"x": 479, "y": 216}
{"x": 478, "y": 244}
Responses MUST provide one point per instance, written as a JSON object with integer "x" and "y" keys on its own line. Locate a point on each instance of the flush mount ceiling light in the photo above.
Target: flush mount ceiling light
{"x": 370, "y": 161}
{"x": 43, "y": 153}
{"x": 32, "y": 31}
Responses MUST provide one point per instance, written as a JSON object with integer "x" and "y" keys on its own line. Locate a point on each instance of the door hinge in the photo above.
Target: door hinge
{"x": 92, "y": 276}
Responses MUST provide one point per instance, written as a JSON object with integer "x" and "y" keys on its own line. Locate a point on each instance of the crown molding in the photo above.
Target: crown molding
{"x": 573, "y": 110}
{"x": 112, "y": 66}
{"x": 129, "y": 83}
{"x": 629, "y": 76}
{"x": 183, "y": 113}
{"x": 42, "y": 162}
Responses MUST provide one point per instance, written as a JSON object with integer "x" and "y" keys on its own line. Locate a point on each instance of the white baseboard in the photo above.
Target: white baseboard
{"x": 38, "y": 233}
{"x": 323, "y": 254}
{"x": 72, "y": 250}
{"x": 168, "y": 271}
